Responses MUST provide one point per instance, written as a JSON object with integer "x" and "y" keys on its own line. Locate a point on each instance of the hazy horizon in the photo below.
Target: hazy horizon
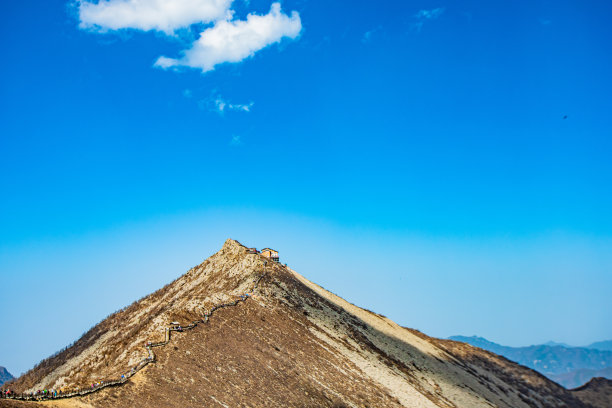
{"x": 442, "y": 286}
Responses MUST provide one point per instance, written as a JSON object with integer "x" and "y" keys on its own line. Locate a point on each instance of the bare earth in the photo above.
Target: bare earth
{"x": 293, "y": 344}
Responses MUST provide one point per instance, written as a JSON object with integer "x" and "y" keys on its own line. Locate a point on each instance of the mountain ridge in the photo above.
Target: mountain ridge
{"x": 161, "y": 307}
{"x": 293, "y": 343}
{"x": 597, "y": 392}
{"x": 601, "y": 345}
{"x": 579, "y": 377}
{"x": 5, "y": 375}
{"x": 569, "y": 366}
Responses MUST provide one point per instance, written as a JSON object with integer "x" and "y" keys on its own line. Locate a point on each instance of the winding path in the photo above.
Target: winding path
{"x": 144, "y": 362}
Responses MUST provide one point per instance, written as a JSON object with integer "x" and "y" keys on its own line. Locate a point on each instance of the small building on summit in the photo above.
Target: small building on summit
{"x": 270, "y": 253}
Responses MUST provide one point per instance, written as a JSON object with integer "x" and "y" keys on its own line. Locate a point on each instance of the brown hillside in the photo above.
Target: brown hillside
{"x": 293, "y": 344}
{"x": 597, "y": 392}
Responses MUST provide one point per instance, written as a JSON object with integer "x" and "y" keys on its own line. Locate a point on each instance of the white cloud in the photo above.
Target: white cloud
{"x": 233, "y": 41}
{"x": 236, "y": 141}
{"x": 161, "y": 15}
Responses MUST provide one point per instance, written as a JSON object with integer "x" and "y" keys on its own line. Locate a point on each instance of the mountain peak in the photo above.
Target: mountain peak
{"x": 112, "y": 347}
{"x": 275, "y": 338}
{"x": 231, "y": 245}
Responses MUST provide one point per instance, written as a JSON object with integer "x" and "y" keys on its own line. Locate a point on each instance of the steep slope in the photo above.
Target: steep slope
{"x": 114, "y": 346}
{"x": 4, "y": 375}
{"x": 292, "y": 343}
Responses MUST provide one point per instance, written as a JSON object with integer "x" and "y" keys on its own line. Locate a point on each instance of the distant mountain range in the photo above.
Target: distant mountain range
{"x": 4, "y": 375}
{"x": 601, "y": 345}
{"x": 566, "y": 365}
{"x": 576, "y": 378}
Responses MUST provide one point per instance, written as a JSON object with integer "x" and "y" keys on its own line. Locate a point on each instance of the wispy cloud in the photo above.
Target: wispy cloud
{"x": 424, "y": 16}
{"x": 368, "y": 35}
{"x": 236, "y": 141}
{"x": 234, "y": 41}
{"x": 220, "y": 105}
{"x": 430, "y": 14}
{"x": 187, "y": 93}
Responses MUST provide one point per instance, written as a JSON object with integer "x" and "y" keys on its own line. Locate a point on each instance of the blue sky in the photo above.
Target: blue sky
{"x": 420, "y": 146}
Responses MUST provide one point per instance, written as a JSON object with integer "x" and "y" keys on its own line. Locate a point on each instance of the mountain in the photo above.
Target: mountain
{"x": 566, "y": 365}
{"x": 4, "y": 375}
{"x": 581, "y": 376}
{"x": 601, "y": 345}
{"x": 597, "y": 392}
{"x": 247, "y": 333}
{"x": 554, "y": 343}
{"x": 482, "y": 343}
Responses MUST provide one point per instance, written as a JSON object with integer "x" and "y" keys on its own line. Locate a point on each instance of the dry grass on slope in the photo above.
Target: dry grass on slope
{"x": 293, "y": 344}
{"x": 257, "y": 354}
{"x": 112, "y": 347}
{"x": 597, "y": 392}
